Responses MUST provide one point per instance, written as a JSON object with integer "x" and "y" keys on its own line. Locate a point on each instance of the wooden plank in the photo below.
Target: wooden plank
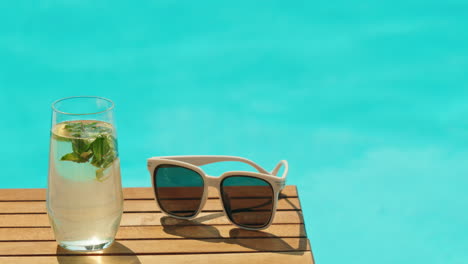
{"x": 229, "y": 258}
{"x": 185, "y": 246}
{"x": 131, "y": 206}
{"x": 162, "y": 232}
{"x": 129, "y": 193}
{"x": 135, "y": 219}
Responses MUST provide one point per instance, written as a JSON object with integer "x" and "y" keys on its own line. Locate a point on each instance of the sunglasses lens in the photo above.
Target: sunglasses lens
{"x": 179, "y": 190}
{"x": 248, "y": 200}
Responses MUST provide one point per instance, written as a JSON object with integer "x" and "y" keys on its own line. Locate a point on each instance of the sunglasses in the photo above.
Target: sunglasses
{"x": 249, "y": 198}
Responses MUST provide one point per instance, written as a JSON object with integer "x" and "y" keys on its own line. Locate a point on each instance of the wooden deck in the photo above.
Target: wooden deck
{"x": 148, "y": 236}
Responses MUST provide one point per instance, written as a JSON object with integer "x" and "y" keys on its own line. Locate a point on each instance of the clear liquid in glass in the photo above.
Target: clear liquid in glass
{"x": 84, "y": 198}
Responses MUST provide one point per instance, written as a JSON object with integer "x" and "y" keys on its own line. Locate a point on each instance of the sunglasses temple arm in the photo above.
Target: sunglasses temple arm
{"x": 280, "y": 164}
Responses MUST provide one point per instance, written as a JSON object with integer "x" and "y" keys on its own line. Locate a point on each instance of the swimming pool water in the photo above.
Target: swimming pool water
{"x": 366, "y": 100}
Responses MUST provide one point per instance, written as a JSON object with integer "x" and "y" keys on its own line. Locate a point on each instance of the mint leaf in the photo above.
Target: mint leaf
{"x": 98, "y": 148}
{"x": 102, "y": 150}
{"x": 80, "y": 145}
{"x": 73, "y": 157}
{"x": 86, "y": 155}
{"x": 92, "y": 125}
{"x": 74, "y": 127}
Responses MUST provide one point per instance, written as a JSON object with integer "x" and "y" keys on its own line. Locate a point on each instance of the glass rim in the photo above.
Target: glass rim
{"x": 82, "y": 114}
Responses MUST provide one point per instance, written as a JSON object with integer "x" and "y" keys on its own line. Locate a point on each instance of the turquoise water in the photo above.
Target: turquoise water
{"x": 366, "y": 99}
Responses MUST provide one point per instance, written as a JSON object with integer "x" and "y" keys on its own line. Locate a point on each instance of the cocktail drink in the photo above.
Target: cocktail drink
{"x": 84, "y": 198}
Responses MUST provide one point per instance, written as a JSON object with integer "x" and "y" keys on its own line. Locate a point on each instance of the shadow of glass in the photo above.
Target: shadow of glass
{"x": 256, "y": 240}
{"x": 122, "y": 255}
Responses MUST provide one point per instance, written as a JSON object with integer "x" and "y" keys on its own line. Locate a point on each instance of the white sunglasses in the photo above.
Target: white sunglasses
{"x": 249, "y": 198}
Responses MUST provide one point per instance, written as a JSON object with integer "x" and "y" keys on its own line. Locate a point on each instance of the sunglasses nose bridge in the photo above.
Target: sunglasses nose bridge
{"x": 211, "y": 181}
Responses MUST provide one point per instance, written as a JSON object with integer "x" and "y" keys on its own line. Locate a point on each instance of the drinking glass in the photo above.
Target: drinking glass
{"x": 84, "y": 194}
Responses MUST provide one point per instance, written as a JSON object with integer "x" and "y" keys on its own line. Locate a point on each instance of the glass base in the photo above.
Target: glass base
{"x": 86, "y": 245}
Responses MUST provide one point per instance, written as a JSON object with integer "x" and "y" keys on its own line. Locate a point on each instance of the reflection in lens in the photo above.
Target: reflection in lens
{"x": 179, "y": 190}
{"x": 248, "y": 200}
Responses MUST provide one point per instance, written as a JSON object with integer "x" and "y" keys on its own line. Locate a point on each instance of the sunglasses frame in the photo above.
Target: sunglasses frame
{"x": 193, "y": 163}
